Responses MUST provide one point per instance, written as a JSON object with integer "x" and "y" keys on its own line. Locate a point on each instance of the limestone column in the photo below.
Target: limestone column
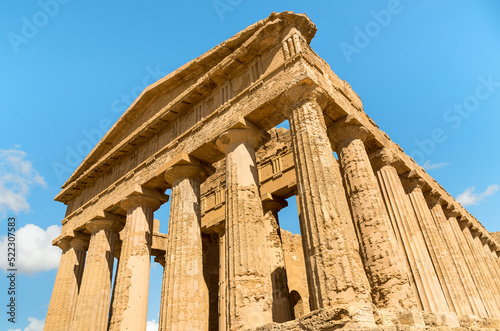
{"x": 409, "y": 235}
{"x": 383, "y": 261}
{"x": 484, "y": 264}
{"x": 334, "y": 269}
{"x": 282, "y": 311}
{"x": 491, "y": 265}
{"x": 463, "y": 283}
{"x": 248, "y": 276}
{"x": 439, "y": 254}
{"x": 222, "y": 302}
{"x": 67, "y": 284}
{"x": 186, "y": 304}
{"x": 93, "y": 301}
{"x": 479, "y": 297}
{"x": 130, "y": 305}
{"x": 482, "y": 277}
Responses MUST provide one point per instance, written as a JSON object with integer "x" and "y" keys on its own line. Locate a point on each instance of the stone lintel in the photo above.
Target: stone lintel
{"x": 273, "y": 202}
{"x": 159, "y": 244}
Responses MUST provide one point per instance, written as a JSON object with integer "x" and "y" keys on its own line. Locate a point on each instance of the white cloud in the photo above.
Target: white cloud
{"x": 430, "y": 166}
{"x": 35, "y": 325}
{"x": 468, "y": 197}
{"x": 34, "y": 250}
{"x": 152, "y": 326}
{"x": 17, "y": 177}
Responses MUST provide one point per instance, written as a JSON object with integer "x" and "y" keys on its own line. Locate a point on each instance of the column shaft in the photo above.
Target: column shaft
{"x": 130, "y": 305}
{"x": 463, "y": 284}
{"x": 334, "y": 269}
{"x": 93, "y": 301}
{"x": 404, "y": 221}
{"x": 281, "y": 301}
{"x": 470, "y": 266}
{"x": 248, "y": 278}
{"x": 383, "y": 260}
{"x": 492, "y": 267}
{"x": 67, "y": 284}
{"x": 186, "y": 304}
{"x": 222, "y": 280}
{"x": 482, "y": 277}
{"x": 439, "y": 255}
{"x": 484, "y": 264}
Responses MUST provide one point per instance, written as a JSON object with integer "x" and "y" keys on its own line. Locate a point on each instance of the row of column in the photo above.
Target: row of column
{"x": 368, "y": 244}
{"x": 82, "y": 289}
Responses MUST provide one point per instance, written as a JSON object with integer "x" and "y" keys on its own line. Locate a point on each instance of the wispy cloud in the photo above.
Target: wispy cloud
{"x": 35, "y": 325}
{"x": 468, "y": 197}
{"x": 152, "y": 326}
{"x": 36, "y": 252}
{"x": 431, "y": 166}
{"x": 17, "y": 177}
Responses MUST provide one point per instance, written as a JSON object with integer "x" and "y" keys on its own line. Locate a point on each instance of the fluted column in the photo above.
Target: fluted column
{"x": 186, "y": 304}
{"x": 462, "y": 282}
{"x": 248, "y": 271}
{"x": 469, "y": 267}
{"x": 67, "y": 284}
{"x": 222, "y": 302}
{"x": 481, "y": 276}
{"x": 130, "y": 301}
{"x": 439, "y": 254}
{"x": 409, "y": 235}
{"x": 334, "y": 268}
{"x": 491, "y": 265}
{"x": 93, "y": 301}
{"x": 282, "y": 311}
{"x": 484, "y": 264}
{"x": 386, "y": 269}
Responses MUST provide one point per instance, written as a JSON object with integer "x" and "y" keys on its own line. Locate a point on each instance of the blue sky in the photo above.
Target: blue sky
{"x": 428, "y": 73}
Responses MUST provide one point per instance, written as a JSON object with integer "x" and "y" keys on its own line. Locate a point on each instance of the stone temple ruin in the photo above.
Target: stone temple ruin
{"x": 382, "y": 247}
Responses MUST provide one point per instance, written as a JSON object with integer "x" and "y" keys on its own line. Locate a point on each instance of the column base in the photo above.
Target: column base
{"x": 344, "y": 317}
{"x": 399, "y": 317}
{"x": 448, "y": 319}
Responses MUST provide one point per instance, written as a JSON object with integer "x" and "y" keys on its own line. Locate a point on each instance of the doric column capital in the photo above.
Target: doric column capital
{"x": 138, "y": 200}
{"x": 181, "y": 171}
{"x": 76, "y": 240}
{"x": 433, "y": 199}
{"x": 412, "y": 183}
{"x": 183, "y": 166}
{"x": 64, "y": 243}
{"x": 297, "y": 95}
{"x": 98, "y": 224}
{"x": 383, "y": 157}
{"x": 250, "y": 136}
{"x": 271, "y": 202}
{"x": 79, "y": 243}
{"x": 344, "y": 131}
{"x": 450, "y": 211}
{"x": 160, "y": 259}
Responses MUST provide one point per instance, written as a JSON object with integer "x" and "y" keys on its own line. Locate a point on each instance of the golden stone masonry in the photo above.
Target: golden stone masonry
{"x": 383, "y": 245}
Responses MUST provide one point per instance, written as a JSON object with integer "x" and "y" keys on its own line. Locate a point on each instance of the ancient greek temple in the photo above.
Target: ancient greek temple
{"x": 383, "y": 246}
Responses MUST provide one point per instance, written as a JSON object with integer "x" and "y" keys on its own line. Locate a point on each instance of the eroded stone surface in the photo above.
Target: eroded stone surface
{"x": 426, "y": 266}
